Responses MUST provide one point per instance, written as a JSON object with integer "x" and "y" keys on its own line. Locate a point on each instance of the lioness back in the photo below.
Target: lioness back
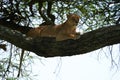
{"x": 66, "y": 30}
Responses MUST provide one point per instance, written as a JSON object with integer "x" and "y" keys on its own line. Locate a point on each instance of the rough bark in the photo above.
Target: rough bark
{"x": 48, "y": 47}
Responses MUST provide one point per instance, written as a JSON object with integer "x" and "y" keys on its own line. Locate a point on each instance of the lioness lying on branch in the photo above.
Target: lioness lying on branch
{"x": 64, "y": 31}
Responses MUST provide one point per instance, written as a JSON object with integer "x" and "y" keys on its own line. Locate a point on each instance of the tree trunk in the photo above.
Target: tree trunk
{"x": 48, "y": 47}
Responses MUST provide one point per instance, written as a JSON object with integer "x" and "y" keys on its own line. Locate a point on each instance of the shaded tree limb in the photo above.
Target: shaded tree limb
{"x": 21, "y": 60}
{"x": 42, "y": 13}
{"x": 13, "y": 26}
{"x": 48, "y": 47}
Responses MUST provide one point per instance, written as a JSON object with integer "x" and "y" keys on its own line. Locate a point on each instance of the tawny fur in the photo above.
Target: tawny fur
{"x": 64, "y": 31}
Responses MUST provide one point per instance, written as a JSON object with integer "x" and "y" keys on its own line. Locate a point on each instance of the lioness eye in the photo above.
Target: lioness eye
{"x": 75, "y": 20}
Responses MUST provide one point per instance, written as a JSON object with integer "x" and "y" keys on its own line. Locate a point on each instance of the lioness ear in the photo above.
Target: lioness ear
{"x": 78, "y": 16}
{"x": 68, "y": 15}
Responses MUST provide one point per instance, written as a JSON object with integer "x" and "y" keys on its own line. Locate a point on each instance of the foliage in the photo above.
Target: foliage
{"x": 93, "y": 13}
{"x": 9, "y": 63}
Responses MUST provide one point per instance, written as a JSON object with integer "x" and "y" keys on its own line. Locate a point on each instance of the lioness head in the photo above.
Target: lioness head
{"x": 73, "y": 19}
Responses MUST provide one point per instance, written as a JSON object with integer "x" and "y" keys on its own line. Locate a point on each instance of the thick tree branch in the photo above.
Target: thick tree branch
{"x": 48, "y": 47}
